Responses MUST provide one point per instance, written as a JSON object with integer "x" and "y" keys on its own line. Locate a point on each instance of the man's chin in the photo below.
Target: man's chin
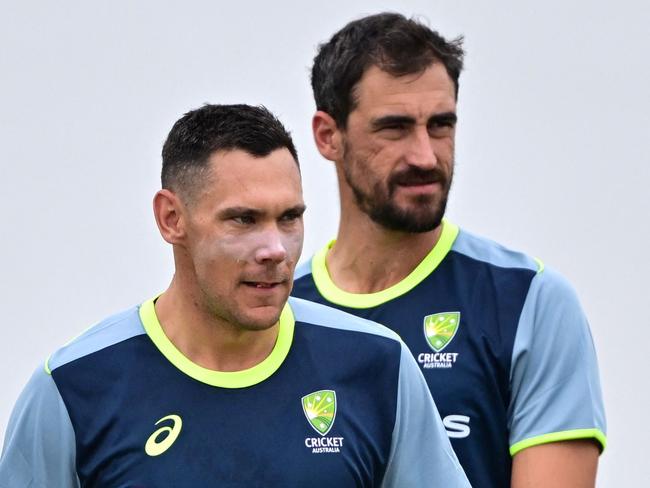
{"x": 422, "y": 215}
{"x": 408, "y": 221}
{"x": 260, "y": 318}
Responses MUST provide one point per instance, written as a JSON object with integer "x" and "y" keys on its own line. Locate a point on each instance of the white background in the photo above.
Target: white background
{"x": 552, "y": 156}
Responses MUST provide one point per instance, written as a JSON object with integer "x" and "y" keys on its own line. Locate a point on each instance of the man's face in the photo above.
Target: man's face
{"x": 399, "y": 147}
{"x": 244, "y": 236}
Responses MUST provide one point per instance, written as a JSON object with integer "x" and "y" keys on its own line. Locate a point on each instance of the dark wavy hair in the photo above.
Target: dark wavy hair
{"x": 390, "y": 41}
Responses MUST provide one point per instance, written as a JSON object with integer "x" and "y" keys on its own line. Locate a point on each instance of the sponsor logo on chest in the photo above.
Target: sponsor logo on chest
{"x": 163, "y": 438}
{"x": 320, "y": 410}
{"x": 439, "y": 331}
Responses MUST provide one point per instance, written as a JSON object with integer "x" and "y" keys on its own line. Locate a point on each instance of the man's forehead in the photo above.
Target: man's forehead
{"x": 229, "y": 158}
{"x": 238, "y": 178}
{"x": 240, "y": 166}
{"x": 379, "y": 93}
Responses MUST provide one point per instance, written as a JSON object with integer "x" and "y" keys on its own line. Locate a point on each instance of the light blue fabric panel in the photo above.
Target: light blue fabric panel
{"x": 554, "y": 373}
{"x": 302, "y": 270}
{"x": 117, "y": 328}
{"x": 488, "y": 251}
{"x": 39, "y": 448}
{"x": 421, "y": 454}
{"x": 317, "y": 314}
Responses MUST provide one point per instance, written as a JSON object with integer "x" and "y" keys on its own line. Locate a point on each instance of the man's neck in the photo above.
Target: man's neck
{"x": 368, "y": 258}
{"x": 207, "y": 340}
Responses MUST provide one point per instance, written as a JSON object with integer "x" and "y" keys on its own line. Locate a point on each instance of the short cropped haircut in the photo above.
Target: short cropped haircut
{"x": 390, "y": 41}
{"x": 201, "y": 132}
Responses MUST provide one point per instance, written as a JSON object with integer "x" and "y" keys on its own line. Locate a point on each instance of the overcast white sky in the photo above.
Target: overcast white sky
{"x": 552, "y": 156}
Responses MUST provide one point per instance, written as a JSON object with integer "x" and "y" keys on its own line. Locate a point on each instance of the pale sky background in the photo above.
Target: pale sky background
{"x": 552, "y": 156}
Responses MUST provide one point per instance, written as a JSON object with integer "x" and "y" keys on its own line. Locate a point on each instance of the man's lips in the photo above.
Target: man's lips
{"x": 419, "y": 184}
{"x": 263, "y": 284}
{"x": 414, "y": 177}
{"x": 420, "y": 187}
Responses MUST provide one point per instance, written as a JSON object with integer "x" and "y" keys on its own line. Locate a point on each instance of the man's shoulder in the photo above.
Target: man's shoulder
{"x": 491, "y": 252}
{"x": 320, "y": 315}
{"x": 480, "y": 248}
{"x": 110, "y": 331}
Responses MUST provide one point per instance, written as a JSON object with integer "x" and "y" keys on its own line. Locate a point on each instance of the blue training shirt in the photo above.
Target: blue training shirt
{"x": 503, "y": 344}
{"x": 338, "y": 402}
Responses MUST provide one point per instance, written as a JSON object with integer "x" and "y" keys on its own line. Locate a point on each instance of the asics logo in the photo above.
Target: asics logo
{"x": 163, "y": 438}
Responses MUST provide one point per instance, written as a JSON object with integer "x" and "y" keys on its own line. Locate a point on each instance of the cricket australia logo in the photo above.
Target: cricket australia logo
{"x": 439, "y": 330}
{"x": 320, "y": 409}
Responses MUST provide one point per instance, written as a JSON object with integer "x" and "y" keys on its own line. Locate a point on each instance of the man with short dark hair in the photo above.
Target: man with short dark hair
{"x": 220, "y": 381}
{"x": 502, "y": 341}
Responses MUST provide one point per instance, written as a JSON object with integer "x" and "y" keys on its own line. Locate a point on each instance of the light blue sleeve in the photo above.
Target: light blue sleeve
{"x": 39, "y": 447}
{"x": 556, "y": 391}
{"x": 421, "y": 455}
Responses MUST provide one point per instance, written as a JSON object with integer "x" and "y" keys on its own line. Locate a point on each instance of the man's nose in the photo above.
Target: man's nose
{"x": 421, "y": 151}
{"x": 271, "y": 248}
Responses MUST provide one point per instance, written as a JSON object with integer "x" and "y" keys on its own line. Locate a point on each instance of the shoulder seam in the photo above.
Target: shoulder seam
{"x": 538, "y": 269}
{"x": 90, "y": 334}
{"x": 392, "y": 335}
{"x": 484, "y": 250}
{"x": 357, "y": 324}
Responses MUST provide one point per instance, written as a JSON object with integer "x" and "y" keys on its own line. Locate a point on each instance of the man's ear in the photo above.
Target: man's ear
{"x": 167, "y": 208}
{"x": 328, "y": 136}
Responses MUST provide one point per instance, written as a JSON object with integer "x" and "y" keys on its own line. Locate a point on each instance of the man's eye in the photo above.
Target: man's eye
{"x": 392, "y": 131}
{"x": 443, "y": 123}
{"x": 393, "y": 127}
{"x": 441, "y": 128}
{"x": 244, "y": 219}
{"x": 291, "y": 217}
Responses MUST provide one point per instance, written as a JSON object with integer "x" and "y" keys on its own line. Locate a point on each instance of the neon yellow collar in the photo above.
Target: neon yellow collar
{"x": 234, "y": 379}
{"x": 334, "y": 294}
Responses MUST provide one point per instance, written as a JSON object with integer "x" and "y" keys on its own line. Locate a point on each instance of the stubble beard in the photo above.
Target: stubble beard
{"x": 228, "y": 311}
{"x": 423, "y": 215}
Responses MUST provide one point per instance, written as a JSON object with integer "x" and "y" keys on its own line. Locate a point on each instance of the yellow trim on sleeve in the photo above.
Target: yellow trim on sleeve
{"x": 230, "y": 379}
{"x": 334, "y": 294}
{"x": 47, "y": 365}
{"x": 566, "y": 435}
{"x": 48, "y": 370}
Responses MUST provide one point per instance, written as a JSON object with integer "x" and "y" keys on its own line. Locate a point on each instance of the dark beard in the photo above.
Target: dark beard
{"x": 379, "y": 206}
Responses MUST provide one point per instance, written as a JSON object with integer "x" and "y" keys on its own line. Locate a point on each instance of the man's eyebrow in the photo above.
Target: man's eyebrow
{"x": 388, "y": 120}
{"x": 296, "y": 209}
{"x": 239, "y": 211}
{"x": 406, "y": 120}
{"x": 448, "y": 117}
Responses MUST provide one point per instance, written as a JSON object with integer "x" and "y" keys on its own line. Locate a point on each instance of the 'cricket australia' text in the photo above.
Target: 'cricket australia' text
{"x": 320, "y": 445}
{"x": 437, "y": 360}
